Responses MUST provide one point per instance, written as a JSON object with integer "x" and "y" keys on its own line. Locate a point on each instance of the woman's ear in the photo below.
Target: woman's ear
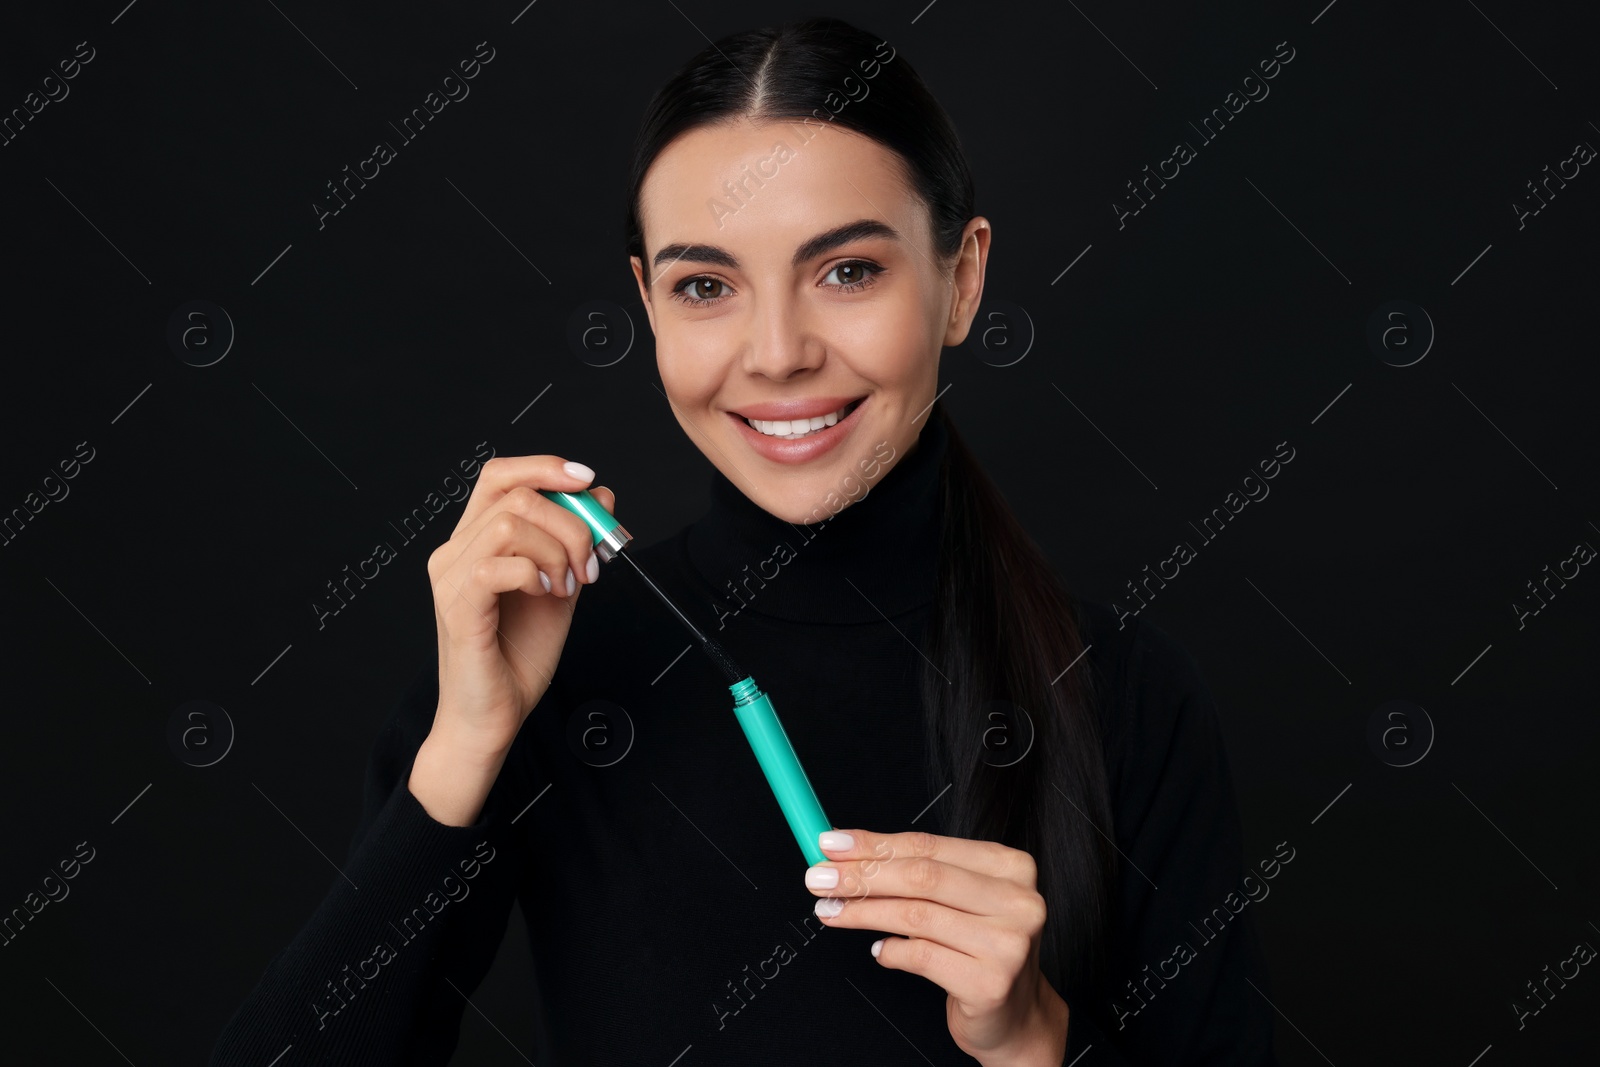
{"x": 644, "y": 291}
{"x": 967, "y": 279}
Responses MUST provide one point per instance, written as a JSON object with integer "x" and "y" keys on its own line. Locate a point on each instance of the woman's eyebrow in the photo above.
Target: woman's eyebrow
{"x": 810, "y": 249}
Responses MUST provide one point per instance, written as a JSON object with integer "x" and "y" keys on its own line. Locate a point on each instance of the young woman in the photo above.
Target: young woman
{"x": 1038, "y": 852}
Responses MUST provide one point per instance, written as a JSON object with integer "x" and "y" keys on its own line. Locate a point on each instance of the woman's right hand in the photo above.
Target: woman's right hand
{"x": 501, "y": 630}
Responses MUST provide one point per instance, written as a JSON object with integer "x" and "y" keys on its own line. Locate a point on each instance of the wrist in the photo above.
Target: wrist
{"x": 466, "y": 747}
{"x": 1043, "y": 1039}
{"x": 451, "y": 779}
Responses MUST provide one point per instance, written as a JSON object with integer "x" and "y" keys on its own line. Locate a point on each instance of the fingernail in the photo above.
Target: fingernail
{"x": 545, "y": 581}
{"x": 572, "y": 582}
{"x": 578, "y": 470}
{"x": 593, "y": 567}
{"x": 877, "y": 947}
{"x": 836, "y": 841}
{"x": 829, "y": 907}
{"x": 822, "y": 877}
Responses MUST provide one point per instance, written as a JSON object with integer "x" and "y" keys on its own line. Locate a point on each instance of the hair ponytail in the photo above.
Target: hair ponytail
{"x": 1003, "y": 629}
{"x": 1002, "y": 625}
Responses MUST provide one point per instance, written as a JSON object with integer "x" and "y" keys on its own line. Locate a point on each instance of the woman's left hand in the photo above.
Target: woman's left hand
{"x": 971, "y": 916}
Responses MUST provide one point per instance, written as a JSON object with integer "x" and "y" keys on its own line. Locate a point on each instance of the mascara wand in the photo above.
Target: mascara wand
{"x": 718, "y": 654}
{"x": 751, "y": 706}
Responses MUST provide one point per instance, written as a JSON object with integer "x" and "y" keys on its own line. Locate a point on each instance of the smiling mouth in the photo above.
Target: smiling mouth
{"x": 797, "y": 429}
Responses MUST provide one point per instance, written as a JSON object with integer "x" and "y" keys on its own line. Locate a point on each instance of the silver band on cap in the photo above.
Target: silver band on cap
{"x": 611, "y": 543}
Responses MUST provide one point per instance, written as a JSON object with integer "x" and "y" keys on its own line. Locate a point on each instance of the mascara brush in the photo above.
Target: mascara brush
{"x": 752, "y": 707}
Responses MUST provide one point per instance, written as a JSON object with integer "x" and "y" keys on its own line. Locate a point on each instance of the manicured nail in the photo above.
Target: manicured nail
{"x": 822, "y": 877}
{"x": 578, "y": 470}
{"x": 593, "y": 568}
{"x": 836, "y": 841}
{"x": 877, "y": 947}
{"x": 572, "y": 582}
{"x": 545, "y": 581}
{"x": 829, "y": 907}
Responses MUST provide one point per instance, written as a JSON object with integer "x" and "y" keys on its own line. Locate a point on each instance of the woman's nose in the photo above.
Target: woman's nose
{"x": 781, "y": 341}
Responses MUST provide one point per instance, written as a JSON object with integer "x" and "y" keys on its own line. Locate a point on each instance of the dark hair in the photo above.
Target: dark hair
{"x": 1002, "y": 623}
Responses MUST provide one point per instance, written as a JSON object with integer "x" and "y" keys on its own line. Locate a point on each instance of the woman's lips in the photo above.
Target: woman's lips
{"x": 801, "y": 449}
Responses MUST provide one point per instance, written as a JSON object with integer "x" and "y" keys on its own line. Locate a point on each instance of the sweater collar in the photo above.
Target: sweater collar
{"x": 885, "y": 544}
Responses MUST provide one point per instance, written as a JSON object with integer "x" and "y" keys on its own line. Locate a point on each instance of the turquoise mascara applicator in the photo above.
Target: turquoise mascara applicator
{"x": 751, "y": 706}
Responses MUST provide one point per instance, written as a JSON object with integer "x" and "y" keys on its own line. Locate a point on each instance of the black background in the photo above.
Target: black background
{"x": 376, "y": 353}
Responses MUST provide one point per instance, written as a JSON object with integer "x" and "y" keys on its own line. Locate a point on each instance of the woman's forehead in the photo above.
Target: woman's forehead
{"x": 732, "y": 183}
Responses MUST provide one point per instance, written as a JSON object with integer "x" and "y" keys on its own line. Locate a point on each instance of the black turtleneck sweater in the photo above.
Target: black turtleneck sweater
{"x": 667, "y": 916}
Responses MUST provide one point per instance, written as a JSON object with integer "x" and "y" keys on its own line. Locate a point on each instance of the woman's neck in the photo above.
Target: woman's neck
{"x": 874, "y": 557}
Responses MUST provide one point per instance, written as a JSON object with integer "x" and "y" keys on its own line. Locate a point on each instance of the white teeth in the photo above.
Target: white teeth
{"x": 794, "y": 429}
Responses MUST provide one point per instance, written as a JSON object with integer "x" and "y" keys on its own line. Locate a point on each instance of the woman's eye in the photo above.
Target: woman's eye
{"x": 854, "y": 274}
{"x": 701, "y": 291}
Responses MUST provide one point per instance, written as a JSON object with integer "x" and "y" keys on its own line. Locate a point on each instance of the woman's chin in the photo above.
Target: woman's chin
{"x": 798, "y": 506}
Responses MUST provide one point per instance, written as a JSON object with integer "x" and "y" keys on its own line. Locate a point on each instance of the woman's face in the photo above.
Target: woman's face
{"x": 765, "y": 304}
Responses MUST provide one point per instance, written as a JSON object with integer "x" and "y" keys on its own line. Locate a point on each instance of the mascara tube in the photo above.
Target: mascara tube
{"x": 779, "y": 763}
{"x": 752, "y": 707}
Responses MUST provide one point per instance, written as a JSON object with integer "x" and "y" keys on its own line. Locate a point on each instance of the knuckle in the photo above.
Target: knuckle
{"x": 581, "y": 535}
{"x": 917, "y": 915}
{"x": 920, "y": 954}
{"x": 504, "y": 525}
{"x": 483, "y": 569}
{"x": 1018, "y": 946}
{"x": 922, "y": 843}
{"x": 1022, "y": 866}
{"x": 924, "y": 874}
{"x": 522, "y": 498}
